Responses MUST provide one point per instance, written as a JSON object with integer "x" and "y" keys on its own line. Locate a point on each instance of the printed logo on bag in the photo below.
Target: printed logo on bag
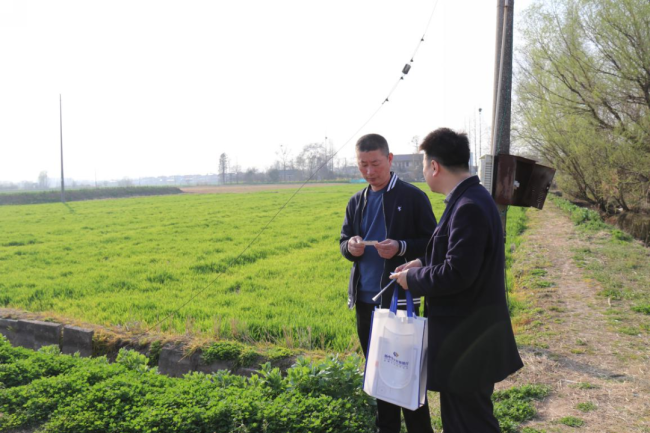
{"x": 392, "y": 360}
{"x": 396, "y": 355}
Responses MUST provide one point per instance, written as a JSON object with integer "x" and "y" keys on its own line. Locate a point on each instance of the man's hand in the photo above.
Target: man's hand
{"x": 355, "y": 247}
{"x": 401, "y": 279}
{"x": 412, "y": 264}
{"x": 387, "y": 249}
{"x": 402, "y": 270}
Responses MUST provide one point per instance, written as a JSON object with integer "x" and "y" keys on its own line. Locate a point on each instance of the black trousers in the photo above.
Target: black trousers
{"x": 388, "y": 415}
{"x": 468, "y": 413}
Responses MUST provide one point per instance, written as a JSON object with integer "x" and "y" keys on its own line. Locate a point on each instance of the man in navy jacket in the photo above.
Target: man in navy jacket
{"x": 398, "y": 216}
{"x": 471, "y": 342}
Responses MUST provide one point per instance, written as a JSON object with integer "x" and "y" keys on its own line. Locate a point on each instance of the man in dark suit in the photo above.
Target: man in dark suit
{"x": 471, "y": 342}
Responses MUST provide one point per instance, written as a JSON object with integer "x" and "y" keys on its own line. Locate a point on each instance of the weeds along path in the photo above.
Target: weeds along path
{"x": 570, "y": 334}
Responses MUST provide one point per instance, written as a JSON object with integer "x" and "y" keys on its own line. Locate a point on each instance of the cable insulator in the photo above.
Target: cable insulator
{"x": 406, "y": 69}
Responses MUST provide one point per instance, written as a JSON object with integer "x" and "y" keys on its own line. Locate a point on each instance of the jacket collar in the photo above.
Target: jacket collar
{"x": 392, "y": 181}
{"x": 460, "y": 190}
{"x": 391, "y": 184}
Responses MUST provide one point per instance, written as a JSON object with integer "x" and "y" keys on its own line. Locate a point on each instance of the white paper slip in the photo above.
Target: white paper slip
{"x": 369, "y": 242}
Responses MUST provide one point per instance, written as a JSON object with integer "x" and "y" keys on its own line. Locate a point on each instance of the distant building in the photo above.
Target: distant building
{"x": 349, "y": 171}
{"x": 289, "y": 175}
{"x": 408, "y": 167}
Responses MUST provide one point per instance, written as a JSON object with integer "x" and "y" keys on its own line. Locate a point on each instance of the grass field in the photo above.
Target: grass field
{"x": 134, "y": 262}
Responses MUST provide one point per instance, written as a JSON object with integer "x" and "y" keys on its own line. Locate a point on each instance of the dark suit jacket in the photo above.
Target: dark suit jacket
{"x": 471, "y": 342}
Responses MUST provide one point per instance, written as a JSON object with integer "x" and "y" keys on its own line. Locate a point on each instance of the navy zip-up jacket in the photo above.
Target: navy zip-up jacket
{"x": 409, "y": 220}
{"x": 471, "y": 342}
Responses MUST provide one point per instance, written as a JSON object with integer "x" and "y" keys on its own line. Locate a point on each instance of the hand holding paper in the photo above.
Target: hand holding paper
{"x": 402, "y": 270}
{"x": 400, "y": 277}
{"x": 356, "y": 246}
{"x": 387, "y": 249}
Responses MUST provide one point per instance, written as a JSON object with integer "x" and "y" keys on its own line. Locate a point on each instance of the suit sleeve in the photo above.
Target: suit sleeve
{"x": 465, "y": 247}
{"x": 347, "y": 230}
{"x": 425, "y": 222}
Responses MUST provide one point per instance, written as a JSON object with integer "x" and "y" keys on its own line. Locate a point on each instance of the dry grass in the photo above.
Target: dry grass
{"x": 566, "y": 335}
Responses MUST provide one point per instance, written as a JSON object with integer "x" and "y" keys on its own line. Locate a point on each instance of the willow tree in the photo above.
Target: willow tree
{"x": 583, "y": 97}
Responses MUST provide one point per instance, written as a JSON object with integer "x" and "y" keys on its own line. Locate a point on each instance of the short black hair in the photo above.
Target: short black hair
{"x": 448, "y": 148}
{"x": 370, "y": 142}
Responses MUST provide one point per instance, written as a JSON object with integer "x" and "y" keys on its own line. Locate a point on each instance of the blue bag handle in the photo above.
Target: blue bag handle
{"x": 409, "y": 302}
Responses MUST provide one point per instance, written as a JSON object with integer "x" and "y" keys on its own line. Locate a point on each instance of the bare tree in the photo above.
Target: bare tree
{"x": 416, "y": 164}
{"x": 223, "y": 167}
{"x": 285, "y": 158}
{"x": 313, "y": 157}
{"x": 235, "y": 169}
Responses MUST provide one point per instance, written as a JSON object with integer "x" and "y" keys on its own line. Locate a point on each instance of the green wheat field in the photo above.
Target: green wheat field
{"x": 168, "y": 263}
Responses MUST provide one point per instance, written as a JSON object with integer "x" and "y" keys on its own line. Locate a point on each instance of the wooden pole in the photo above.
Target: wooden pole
{"x": 503, "y": 92}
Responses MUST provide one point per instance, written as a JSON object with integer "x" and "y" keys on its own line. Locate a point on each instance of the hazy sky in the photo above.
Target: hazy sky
{"x": 164, "y": 87}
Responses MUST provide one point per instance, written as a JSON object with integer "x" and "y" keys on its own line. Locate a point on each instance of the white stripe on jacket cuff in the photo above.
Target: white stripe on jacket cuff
{"x": 402, "y": 249}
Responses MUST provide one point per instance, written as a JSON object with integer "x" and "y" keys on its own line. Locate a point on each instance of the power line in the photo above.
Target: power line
{"x": 405, "y": 71}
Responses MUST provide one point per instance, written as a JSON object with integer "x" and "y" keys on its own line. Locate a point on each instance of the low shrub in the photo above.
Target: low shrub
{"x": 581, "y": 216}
{"x": 514, "y": 406}
{"x": 644, "y": 308}
{"x": 84, "y": 395}
{"x": 89, "y": 395}
{"x": 572, "y": 421}
{"x": 586, "y": 406}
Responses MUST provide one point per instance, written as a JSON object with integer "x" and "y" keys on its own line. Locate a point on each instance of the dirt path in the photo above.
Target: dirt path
{"x": 568, "y": 341}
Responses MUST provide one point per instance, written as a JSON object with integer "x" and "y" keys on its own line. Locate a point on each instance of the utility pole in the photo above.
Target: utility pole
{"x": 61, "y": 133}
{"x": 475, "y": 154}
{"x": 480, "y": 132}
{"x": 331, "y": 155}
{"x": 503, "y": 87}
{"x": 283, "y": 155}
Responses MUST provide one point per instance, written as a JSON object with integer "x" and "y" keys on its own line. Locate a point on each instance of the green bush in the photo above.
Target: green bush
{"x": 572, "y": 421}
{"x": 644, "y": 308}
{"x": 244, "y": 356}
{"x": 133, "y": 360}
{"x": 25, "y": 369}
{"x": 88, "y": 395}
{"x": 581, "y": 216}
{"x": 84, "y": 395}
{"x": 222, "y": 351}
{"x": 514, "y": 406}
{"x": 278, "y": 352}
{"x": 621, "y": 236}
{"x": 586, "y": 406}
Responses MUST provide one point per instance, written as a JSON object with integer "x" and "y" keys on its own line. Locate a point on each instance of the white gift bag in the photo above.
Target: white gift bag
{"x": 396, "y": 367}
